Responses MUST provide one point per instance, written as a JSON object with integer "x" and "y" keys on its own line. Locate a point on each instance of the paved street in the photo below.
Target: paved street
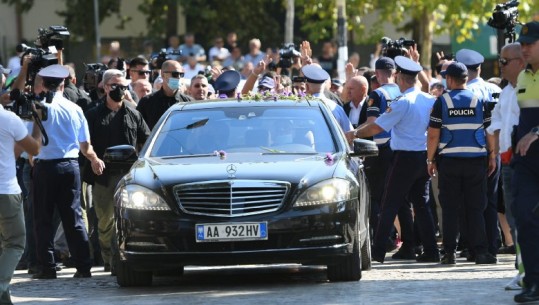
{"x": 391, "y": 283}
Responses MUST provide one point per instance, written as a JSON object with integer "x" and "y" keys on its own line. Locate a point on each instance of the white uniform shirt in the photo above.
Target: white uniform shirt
{"x": 504, "y": 116}
{"x": 12, "y": 130}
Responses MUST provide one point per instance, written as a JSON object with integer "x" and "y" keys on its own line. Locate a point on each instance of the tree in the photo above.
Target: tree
{"x": 21, "y": 6}
{"x": 426, "y": 18}
{"x": 161, "y": 17}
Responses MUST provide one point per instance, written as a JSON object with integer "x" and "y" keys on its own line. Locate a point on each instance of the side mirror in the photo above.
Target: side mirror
{"x": 364, "y": 148}
{"x": 120, "y": 154}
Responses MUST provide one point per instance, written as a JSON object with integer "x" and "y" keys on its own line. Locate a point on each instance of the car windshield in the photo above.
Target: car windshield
{"x": 269, "y": 130}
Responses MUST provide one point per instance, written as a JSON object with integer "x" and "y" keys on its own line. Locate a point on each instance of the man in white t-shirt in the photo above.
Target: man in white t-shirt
{"x": 14, "y": 138}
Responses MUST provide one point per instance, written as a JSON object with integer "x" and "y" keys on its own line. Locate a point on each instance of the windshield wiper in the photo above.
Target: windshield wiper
{"x": 194, "y": 125}
{"x": 188, "y": 156}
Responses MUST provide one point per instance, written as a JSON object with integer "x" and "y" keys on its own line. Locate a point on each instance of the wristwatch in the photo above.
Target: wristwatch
{"x": 429, "y": 162}
{"x": 535, "y": 131}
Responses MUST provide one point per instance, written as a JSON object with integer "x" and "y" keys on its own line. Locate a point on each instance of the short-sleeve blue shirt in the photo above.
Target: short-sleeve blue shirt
{"x": 408, "y": 119}
{"x": 66, "y": 127}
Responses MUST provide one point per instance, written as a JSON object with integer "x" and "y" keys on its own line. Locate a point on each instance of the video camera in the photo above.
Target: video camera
{"x": 44, "y": 54}
{"x": 287, "y": 54}
{"x": 93, "y": 75}
{"x": 157, "y": 60}
{"x": 22, "y": 104}
{"x": 395, "y": 48}
{"x": 505, "y": 17}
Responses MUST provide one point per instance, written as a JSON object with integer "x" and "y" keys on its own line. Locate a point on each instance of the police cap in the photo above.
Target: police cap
{"x": 472, "y": 59}
{"x": 407, "y": 66}
{"x": 529, "y": 32}
{"x": 456, "y": 70}
{"x": 54, "y": 71}
{"x": 314, "y": 74}
{"x": 384, "y": 63}
{"x": 227, "y": 81}
{"x": 267, "y": 82}
{"x": 337, "y": 82}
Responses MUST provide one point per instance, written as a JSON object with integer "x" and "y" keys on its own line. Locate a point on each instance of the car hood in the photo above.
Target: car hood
{"x": 291, "y": 168}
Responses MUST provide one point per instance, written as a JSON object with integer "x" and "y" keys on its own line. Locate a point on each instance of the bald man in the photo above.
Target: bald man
{"x": 356, "y": 89}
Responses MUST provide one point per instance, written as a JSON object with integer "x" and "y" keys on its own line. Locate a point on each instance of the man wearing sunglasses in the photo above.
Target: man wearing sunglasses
{"x": 138, "y": 69}
{"x": 154, "y": 105}
{"x": 526, "y": 163}
{"x": 504, "y": 118}
{"x": 111, "y": 123}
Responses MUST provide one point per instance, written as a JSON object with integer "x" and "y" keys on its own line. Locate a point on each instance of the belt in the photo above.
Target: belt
{"x": 54, "y": 160}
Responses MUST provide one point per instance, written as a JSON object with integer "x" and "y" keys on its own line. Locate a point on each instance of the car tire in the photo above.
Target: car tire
{"x": 349, "y": 267}
{"x": 366, "y": 260}
{"x": 126, "y": 276}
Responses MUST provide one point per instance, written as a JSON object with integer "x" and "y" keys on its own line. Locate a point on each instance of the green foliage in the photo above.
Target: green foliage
{"x": 157, "y": 14}
{"x": 208, "y": 19}
{"x": 21, "y": 5}
{"x": 79, "y": 16}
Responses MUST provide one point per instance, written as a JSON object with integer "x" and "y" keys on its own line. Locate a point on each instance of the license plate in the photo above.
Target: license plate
{"x": 231, "y": 231}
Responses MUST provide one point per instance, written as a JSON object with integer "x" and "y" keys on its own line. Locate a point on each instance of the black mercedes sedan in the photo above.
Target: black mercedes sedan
{"x": 229, "y": 182}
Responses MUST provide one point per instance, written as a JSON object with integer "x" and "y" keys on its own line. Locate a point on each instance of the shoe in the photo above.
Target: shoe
{"x": 470, "y": 257}
{"x": 515, "y": 283}
{"x": 378, "y": 257}
{"x": 428, "y": 258}
{"x": 22, "y": 265}
{"x": 44, "y": 275}
{"x": 5, "y": 298}
{"x": 485, "y": 259}
{"x": 464, "y": 253}
{"x": 528, "y": 294}
{"x": 106, "y": 268}
{"x": 82, "y": 274}
{"x": 507, "y": 250}
{"x": 404, "y": 254}
{"x": 32, "y": 269}
{"x": 449, "y": 259}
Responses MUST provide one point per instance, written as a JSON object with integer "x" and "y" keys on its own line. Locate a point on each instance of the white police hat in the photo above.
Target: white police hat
{"x": 470, "y": 58}
{"x": 407, "y": 66}
{"x": 54, "y": 71}
{"x": 314, "y": 74}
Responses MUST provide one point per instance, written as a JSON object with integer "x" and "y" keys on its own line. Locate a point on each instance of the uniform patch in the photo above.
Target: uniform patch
{"x": 461, "y": 112}
{"x": 370, "y": 102}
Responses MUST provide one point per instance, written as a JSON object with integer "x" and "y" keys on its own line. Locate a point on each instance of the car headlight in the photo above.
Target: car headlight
{"x": 140, "y": 198}
{"x": 329, "y": 191}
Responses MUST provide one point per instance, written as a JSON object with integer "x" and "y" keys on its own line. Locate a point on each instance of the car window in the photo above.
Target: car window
{"x": 244, "y": 129}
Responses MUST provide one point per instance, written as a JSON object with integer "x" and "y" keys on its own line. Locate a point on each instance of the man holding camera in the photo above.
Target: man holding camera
{"x": 526, "y": 163}
{"x": 14, "y": 138}
{"x": 57, "y": 183}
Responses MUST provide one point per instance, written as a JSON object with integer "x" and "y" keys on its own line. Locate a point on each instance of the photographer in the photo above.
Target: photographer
{"x": 57, "y": 177}
{"x": 14, "y": 138}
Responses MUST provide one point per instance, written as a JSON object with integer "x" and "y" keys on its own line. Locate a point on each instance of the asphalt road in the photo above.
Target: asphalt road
{"x": 394, "y": 282}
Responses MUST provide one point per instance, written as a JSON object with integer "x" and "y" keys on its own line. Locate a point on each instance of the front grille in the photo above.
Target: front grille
{"x": 231, "y": 198}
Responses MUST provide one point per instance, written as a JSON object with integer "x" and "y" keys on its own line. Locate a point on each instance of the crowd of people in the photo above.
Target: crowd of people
{"x": 458, "y": 157}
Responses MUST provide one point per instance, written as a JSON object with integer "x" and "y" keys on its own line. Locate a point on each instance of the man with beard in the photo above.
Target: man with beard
{"x": 113, "y": 122}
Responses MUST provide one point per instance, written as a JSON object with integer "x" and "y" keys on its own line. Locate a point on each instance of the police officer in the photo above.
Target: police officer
{"x": 227, "y": 83}
{"x": 57, "y": 180}
{"x": 456, "y": 135}
{"x": 407, "y": 179}
{"x": 376, "y": 168}
{"x": 526, "y": 163}
{"x": 315, "y": 78}
{"x": 487, "y": 92}
{"x": 154, "y": 105}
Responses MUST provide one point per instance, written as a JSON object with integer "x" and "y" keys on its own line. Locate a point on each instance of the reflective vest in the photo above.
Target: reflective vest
{"x": 462, "y": 134}
{"x": 387, "y": 93}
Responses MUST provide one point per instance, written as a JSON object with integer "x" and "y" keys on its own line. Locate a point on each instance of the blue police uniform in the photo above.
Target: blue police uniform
{"x": 317, "y": 75}
{"x": 489, "y": 94}
{"x": 462, "y": 118}
{"x": 57, "y": 183}
{"x": 407, "y": 179}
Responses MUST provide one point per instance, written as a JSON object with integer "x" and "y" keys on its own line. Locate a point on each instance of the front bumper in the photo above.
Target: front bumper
{"x": 151, "y": 240}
